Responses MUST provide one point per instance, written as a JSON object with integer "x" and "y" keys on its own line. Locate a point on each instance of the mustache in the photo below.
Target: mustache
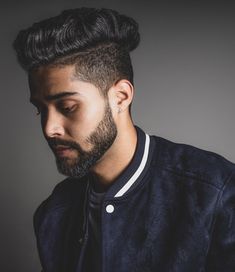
{"x": 54, "y": 142}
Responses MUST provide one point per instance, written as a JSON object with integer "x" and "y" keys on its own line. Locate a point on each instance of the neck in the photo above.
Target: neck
{"x": 116, "y": 159}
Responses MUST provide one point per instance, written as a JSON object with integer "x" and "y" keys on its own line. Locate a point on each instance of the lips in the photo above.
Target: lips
{"x": 62, "y": 150}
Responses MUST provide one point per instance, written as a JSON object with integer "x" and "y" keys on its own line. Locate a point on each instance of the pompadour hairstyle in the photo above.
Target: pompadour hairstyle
{"x": 96, "y": 41}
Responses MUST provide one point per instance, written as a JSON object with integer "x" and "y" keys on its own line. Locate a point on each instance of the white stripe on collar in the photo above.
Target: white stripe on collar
{"x": 140, "y": 169}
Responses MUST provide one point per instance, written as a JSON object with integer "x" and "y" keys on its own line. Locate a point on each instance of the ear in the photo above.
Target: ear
{"x": 121, "y": 95}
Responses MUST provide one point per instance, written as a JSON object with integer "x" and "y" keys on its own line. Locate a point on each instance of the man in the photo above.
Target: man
{"x": 131, "y": 202}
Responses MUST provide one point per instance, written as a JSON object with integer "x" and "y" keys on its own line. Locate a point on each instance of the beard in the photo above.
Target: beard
{"x": 101, "y": 139}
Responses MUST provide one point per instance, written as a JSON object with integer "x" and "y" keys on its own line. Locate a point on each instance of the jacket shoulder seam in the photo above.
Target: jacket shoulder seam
{"x": 195, "y": 176}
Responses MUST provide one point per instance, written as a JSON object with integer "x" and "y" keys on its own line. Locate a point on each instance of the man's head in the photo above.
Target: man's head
{"x": 80, "y": 76}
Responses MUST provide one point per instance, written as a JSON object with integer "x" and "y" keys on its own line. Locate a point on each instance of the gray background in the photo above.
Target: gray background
{"x": 184, "y": 78}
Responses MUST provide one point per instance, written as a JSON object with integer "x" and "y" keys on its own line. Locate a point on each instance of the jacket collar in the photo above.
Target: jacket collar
{"x": 135, "y": 171}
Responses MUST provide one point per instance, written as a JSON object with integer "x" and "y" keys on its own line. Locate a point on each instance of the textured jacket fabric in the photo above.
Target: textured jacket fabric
{"x": 171, "y": 210}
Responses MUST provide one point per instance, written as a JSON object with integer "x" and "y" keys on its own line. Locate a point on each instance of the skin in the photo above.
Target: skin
{"x": 71, "y": 110}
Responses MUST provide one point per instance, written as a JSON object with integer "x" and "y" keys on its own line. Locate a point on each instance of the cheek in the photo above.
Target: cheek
{"x": 86, "y": 120}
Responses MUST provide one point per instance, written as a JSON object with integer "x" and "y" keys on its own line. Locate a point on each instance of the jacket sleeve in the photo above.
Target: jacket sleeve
{"x": 221, "y": 254}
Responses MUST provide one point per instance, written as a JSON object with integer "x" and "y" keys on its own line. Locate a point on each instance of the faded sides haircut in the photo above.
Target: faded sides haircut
{"x": 97, "y": 41}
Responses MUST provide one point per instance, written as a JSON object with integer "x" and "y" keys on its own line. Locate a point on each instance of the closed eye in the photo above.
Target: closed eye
{"x": 67, "y": 107}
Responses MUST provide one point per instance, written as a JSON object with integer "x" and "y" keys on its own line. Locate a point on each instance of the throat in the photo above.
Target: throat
{"x": 115, "y": 161}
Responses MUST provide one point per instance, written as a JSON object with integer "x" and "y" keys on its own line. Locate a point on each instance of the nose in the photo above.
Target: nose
{"x": 52, "y": 125}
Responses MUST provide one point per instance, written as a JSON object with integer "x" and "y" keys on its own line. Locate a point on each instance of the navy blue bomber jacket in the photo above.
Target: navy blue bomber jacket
{"x": 171, "y": 210}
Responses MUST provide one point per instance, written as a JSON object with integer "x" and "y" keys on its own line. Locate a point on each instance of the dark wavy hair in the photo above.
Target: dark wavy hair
{"x": 96, "y": 41}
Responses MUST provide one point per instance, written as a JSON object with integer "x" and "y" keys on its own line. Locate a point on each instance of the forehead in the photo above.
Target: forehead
{"x": 47, "y": 77}
{"x": 50, "y": 81}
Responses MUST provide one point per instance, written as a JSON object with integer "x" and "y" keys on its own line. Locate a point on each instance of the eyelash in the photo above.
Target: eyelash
{"x": 38, "y": 112}
{"x": 68, "y": 110}
{"x": 65, "y": 110}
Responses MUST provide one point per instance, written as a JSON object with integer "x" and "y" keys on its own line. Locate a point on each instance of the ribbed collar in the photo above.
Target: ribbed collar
{"x": 136, "y": 169}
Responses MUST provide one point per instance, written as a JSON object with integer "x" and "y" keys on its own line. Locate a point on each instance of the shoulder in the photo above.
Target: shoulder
{"x": 191, "y": 161}
{"x": 63, "y": 195}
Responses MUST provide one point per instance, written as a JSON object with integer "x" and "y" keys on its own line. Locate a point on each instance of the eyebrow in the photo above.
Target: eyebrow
{"x": 56, "y": 96}
{"x": 60, "y": 95}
